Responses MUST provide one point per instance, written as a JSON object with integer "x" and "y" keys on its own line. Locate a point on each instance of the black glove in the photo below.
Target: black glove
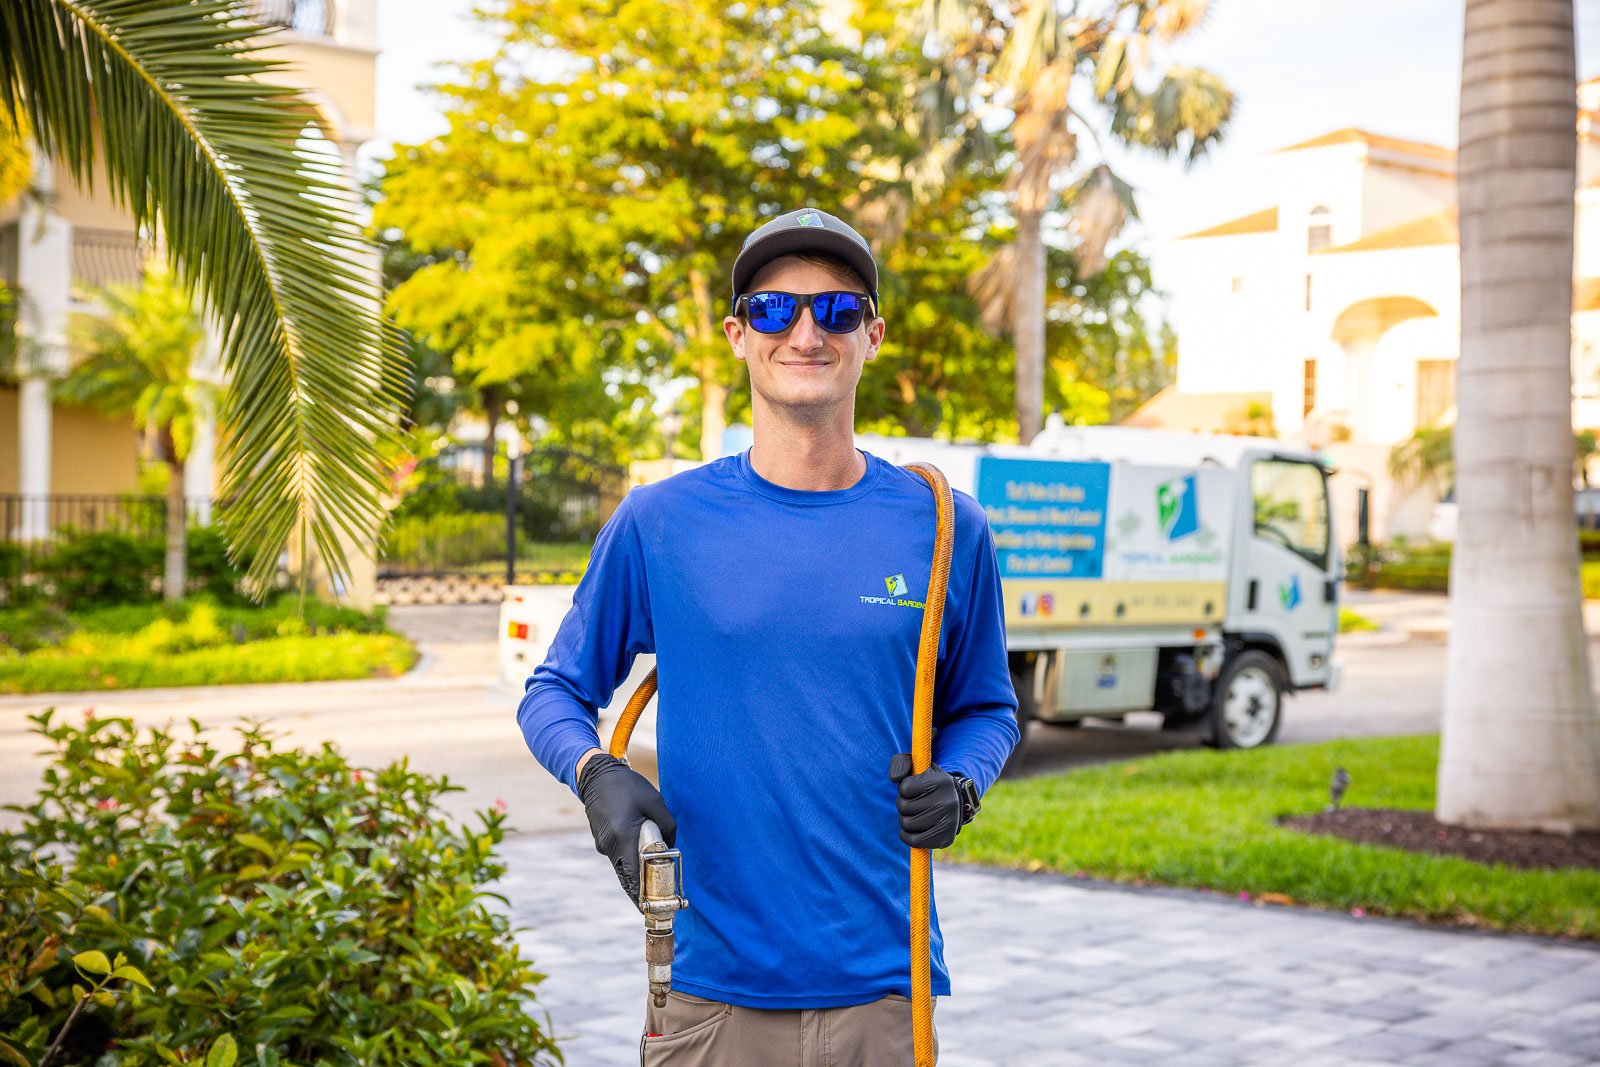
{"x": 618, "y": 799}
{"x": 930, "y": 804}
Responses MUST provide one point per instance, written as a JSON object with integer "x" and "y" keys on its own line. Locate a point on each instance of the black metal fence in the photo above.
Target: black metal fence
{"x": 456, "y": 524}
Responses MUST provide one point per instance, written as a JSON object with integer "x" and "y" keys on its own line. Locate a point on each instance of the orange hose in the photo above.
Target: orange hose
{"x": 921, "y": 752}
{"x": 630, "y": 715}
{"x": 922, "y": 757}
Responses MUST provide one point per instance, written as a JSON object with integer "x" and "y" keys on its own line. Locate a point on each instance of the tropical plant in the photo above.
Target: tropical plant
{"x": 163, "y": 95}
{"x": 1039, "y": 61}
{"x": 140, "y": 353}
{"x": 1427, "y": 457}
{"x": 1520, "y": 746}
{"x": 278, "y": 899}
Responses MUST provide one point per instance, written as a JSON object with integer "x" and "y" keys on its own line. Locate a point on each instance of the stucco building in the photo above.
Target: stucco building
{"x": 1341, "y": 302}
{"x": 57, "y": 246}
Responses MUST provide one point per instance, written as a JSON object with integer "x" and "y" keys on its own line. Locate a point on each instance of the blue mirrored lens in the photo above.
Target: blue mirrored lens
{"x": 771, "y": 312}
{"x": 837, "y": 312}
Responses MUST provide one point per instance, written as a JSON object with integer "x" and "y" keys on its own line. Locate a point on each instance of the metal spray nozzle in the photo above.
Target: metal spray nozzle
{"x": 660, "y": 897}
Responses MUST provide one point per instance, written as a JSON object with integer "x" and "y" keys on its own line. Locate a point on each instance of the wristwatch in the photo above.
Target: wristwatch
{"x": 967, "y": 789}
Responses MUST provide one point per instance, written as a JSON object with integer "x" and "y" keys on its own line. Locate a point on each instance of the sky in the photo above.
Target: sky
{"x": 1298, "y": 68}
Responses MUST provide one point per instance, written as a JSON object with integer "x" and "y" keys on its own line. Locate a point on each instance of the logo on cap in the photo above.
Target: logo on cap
{"x": 810, "y": 218}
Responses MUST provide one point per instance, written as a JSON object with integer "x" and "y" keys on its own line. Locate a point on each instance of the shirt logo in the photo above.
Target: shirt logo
{"x": 810, "y": 218}
{"x": 899, "y": 594}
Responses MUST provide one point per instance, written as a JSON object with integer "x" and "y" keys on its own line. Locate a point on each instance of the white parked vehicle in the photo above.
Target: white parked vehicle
{"x": 1143, "y": 570}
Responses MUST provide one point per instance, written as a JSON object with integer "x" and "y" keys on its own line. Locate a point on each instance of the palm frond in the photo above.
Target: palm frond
{"x": 163, "y": 92}
{"x": 1167, "y": 20}
{"x": 1188, "y": 112}
{"x": 1099, "y": 205}
{"x": 1046, "y": 145}
{"x": 994, "y": 288}
{"x": 1034, "y": 43}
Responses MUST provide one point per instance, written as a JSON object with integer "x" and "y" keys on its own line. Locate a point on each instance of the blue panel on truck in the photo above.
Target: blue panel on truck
{"x": 1048, "y": 516}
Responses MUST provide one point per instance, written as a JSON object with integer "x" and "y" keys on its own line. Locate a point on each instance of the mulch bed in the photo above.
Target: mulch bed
{"x": 1419, "y": 831}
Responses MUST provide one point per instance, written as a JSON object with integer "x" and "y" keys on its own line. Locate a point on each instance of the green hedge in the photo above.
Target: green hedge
{"x": 445, "y": 541}
{"x": 195, "y": 642}
{"x": 178, "y": 900}
{"x": 88, "y": 567}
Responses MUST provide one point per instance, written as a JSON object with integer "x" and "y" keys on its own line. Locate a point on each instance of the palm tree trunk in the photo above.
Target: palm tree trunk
{"x": 1027, "y": 325}
{"x": 175, "y": 571}
{"x": 1521, "y": 746}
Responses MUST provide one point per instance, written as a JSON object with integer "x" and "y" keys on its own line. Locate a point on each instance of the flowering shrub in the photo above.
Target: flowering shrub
{"x": 172, "y": 901}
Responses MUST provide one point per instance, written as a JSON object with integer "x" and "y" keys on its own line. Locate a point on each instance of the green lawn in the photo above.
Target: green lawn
{"x": 1206, "y": 820}
{"x": 196, "y": 642}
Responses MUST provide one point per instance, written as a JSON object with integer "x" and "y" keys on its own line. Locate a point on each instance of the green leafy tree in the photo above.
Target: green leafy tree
{"x": 138, "y": 359}
{"x": 598, "y": 176}
{"x": 163, "y": 95}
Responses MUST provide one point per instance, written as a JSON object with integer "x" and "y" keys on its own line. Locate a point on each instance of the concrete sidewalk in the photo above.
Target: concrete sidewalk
{"x": 1053, "y": 973}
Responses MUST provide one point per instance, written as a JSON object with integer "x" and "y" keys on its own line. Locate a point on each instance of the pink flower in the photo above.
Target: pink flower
{"x": 1243, "y": 895}
{"x": 88, "y": 714}
{"x": 1360, "y": 913}
{"x": 499, "y": 805}
{"x": 357, "y": 776}
{"x": 108, "y": 804}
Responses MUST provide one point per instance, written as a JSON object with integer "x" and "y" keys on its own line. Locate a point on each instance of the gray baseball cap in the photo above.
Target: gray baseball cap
{"x": 805, "y": 230}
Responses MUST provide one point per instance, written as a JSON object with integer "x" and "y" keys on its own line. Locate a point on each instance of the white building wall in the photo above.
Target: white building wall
{"x": 1393, "y": 196}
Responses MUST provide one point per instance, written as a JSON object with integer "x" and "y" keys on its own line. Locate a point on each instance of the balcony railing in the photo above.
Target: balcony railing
{"x": 314, "y": 17}
{"x": 99, "y": 257}
{"x": 104, "y": 257}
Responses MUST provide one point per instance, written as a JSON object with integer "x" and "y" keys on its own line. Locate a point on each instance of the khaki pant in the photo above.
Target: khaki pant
{"x": 706, "y": 1033}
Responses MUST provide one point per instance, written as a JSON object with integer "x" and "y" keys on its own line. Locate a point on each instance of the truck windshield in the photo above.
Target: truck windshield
{"x": 1291, "y": 506}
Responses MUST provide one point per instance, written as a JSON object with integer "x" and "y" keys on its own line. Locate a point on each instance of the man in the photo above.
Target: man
{"x": 782, "y": 593}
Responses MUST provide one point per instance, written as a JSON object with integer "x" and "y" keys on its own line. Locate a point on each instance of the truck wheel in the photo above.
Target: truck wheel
{"x": 1248, "y": 706}
{"x": 1013, "y": 765}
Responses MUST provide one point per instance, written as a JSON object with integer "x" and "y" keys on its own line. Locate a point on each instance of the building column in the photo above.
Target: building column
{"x": 44, "y": 278}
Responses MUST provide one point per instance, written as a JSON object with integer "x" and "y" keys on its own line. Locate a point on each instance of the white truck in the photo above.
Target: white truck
{"x": 1192, "y": 575}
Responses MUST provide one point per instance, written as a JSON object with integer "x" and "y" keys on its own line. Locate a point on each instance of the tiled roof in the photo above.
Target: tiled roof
{"x": 1440, "y": 229}
{"x": 1375, "y": 140}
{"x": 1260, "y": 222}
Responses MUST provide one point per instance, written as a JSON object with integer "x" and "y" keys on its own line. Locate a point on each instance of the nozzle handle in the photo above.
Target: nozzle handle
{"x": 650, "y": 839}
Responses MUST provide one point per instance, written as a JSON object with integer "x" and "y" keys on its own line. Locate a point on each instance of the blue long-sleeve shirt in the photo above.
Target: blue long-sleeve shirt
{"x": 785, "y": 626}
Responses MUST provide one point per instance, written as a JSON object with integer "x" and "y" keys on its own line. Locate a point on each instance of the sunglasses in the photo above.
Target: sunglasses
{"x": 773, "y": 312}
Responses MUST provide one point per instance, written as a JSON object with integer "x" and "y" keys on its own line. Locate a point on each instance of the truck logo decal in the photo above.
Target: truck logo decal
{"x": 1175, "y": 502}
{"x": 1289, "y": 593}
{"x": 1040, "y": 604}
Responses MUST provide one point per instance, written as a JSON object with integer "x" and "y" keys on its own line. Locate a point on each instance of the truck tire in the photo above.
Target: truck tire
{"x": 1025, "y": 711}
{"x": 1248, "y": 706}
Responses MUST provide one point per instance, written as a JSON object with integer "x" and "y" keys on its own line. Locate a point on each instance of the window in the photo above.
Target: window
{"x": 1291, "y": 506}
{"x": 1310, "y": 387}
{"x": 1308, "y": 292}
{"x": 1237, "y": 284}
{"x": 1436, "y": 389}
{"x": 1320, "y": 233}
